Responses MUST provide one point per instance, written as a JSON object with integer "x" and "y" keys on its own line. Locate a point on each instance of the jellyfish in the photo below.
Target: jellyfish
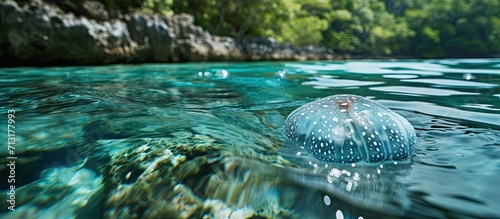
{"x": 347, "y": 129}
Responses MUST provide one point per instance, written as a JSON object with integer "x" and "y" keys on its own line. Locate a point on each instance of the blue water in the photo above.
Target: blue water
{"x": 206, "y": 139}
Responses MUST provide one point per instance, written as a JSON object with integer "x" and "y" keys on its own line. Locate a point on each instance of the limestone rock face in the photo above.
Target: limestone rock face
{"x": 43, "y": 33}
{"x": 95, "y": 10}
{"x": 151, "y": 33}
{"x": 59, "y": 32}
{"x": 195, "y": 44}
{"x": 260, "y": 48}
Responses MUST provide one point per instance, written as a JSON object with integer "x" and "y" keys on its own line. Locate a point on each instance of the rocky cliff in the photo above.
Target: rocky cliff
{"x": 42, "y": 33}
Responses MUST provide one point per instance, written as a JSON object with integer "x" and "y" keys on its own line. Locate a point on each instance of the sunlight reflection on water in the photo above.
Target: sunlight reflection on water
{"x": 212, "y": 143}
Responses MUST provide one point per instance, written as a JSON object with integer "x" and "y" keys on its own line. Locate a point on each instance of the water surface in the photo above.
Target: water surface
{"x": 206, "y": 139}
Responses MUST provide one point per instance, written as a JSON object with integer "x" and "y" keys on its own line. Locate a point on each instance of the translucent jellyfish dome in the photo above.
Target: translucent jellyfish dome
{"x": 347, "y": 129}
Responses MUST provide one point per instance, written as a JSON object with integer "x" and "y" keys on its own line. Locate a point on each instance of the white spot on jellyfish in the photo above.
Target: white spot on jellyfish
{"x": 326, "y": 200}
{"x": 339, "y": 214}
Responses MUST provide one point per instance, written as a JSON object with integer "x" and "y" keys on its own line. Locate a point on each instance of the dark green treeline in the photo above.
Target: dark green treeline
{"x": 422, "y": 28}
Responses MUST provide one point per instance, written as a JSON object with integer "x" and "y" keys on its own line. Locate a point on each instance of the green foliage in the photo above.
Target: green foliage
{"x": 455, "y": 28}
{"x": 237, "y": 17}
{"x": 426, "y": 28}
{"x": 158, "y": 6}
{"x": 365, "y": 27}
{"x": 303, "y": 31}
{"x": 146, "y": 6}
{"x": 343, "y": 41}
{"x": 302, "y": 27}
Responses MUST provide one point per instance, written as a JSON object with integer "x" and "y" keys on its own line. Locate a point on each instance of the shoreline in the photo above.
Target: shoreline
{"x": 14, "y": 63}
{"x": 39, "y": 33}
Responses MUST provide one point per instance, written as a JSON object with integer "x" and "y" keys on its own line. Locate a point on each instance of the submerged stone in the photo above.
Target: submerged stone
{"x": 346, "y": 129}
{"x": 192, "y": 176}
{"x": 61, "y": 192}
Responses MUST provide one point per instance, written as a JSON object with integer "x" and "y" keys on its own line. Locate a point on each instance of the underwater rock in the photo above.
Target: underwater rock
{"x": 347, "y": 129}
{"x": 189, "y": 176}
{"x": 61, "y": 192}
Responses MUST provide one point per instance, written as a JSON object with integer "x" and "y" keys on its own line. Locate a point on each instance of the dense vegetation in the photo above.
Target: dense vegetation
{"x": 427, "y": 28}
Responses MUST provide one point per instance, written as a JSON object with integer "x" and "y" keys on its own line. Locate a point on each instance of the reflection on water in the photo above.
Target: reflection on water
{"x": 420, "y": 91}
{"x": 205, "y": 140}
{"x": 453, "y": 83}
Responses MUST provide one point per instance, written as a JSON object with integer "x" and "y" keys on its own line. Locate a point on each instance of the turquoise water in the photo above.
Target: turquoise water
{"x": 206, "y": 139}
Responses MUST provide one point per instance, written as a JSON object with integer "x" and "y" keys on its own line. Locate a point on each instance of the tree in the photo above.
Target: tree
{"x": 365, "y": 27}
{"x": 236, "y": 17}
{"x": 456, "y": 28}
{"x": 306, "y": 22}
{"x": 427, "y": 28}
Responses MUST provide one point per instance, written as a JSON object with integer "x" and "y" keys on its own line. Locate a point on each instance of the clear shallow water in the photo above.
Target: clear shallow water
{"x": 188, "y": 140}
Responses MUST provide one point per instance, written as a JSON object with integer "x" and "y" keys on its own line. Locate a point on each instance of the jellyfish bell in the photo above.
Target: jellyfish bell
{"x": 353, "y": 149}
{"x": 348, "y": 129}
